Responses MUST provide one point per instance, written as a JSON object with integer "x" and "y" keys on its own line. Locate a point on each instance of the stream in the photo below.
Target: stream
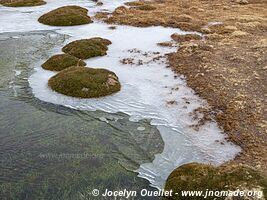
{"x": 58, "y": 147}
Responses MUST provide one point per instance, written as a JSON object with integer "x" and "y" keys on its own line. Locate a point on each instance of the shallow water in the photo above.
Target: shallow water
{"x": 53, "y": 152}
{"x": 147, "y": 88}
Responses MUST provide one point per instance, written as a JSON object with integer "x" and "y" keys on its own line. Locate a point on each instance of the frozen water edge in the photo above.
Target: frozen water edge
{"x": 146, "y": 89}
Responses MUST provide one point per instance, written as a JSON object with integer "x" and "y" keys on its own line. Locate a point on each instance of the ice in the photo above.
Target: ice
{"x": 149, "y": 90}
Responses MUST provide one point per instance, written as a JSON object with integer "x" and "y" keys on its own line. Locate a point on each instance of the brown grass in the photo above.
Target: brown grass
{"x": 228, "y": 68}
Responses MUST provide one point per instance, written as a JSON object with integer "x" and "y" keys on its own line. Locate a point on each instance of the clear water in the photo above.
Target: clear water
{"x": 54, "y": 152}
{"x": 146, "y": 91}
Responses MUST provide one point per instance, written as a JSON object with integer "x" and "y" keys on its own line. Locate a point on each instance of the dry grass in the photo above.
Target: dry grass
{"x": 228, "y": 68}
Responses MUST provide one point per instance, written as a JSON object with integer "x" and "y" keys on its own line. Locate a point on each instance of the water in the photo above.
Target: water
{"x": 147, "y": 87}
{"x": 53, "y": 152}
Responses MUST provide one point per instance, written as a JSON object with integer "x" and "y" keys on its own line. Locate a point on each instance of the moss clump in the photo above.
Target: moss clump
{"x": 202, "y": 177}
{"x": 66, "y": 16}
{"x": 22, "y": 3}
{"x": 87, "y": 48}
{"x": 62, "y": 61}
{"x": 85, "y": 82}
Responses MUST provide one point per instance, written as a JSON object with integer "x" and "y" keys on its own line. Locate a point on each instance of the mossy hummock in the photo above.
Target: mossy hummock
{"x": 22, "y": 3}
{"x": 62, "y": 61}
{"x": 66, "y": 16}
{"x": 202, "y": 177}
{"x": 85, "y": 82}
{"x": 87, "y": 48}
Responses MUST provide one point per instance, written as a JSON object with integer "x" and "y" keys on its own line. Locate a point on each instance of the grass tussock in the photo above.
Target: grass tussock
{"x": 22, "y": 3}
{"x": 87, "y": 48}
{"x": 202, "y": 177}
{"x": 62, "y": 61}
{"x": 66, "y": 16}
{"x": 85, "y": 82}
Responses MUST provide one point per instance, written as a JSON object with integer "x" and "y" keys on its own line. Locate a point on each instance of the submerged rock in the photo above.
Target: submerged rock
{"x": 202, "y": 177}
{"x": 66, "y": 16}
{"x": 22, "y": 3}
{"x": 62, "y": 61}
{"x": 87, "y": 48}
{"x": 85, "y": 82}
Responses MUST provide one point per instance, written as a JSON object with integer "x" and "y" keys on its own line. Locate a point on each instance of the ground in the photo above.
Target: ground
{"x": 85, "y": 82}
{"x": 228, "y": 67}
{"x": 66, "y": 16}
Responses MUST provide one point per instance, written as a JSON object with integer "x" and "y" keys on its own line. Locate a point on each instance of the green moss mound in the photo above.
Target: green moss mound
{"x": 66, "y": 16}
{"x": 62, "y": 61}
{"x": 22, "y": 3}
{"x": 202, "y": 177}
{"x": 85, "y": 82}
{"x": 87, "y": 48}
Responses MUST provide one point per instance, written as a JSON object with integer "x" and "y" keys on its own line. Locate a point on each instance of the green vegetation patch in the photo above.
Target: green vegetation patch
{"x": 62, "y": 61}
{"x": 202, "y": 177}
{"x": 66, "y": 16}
{"x": 87, "y": 48}
{"x": 22, "y": 3}
{"x": 85, "y": 82}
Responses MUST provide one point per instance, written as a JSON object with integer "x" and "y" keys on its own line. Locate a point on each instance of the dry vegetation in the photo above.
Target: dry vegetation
{"x": 228, "y": 67}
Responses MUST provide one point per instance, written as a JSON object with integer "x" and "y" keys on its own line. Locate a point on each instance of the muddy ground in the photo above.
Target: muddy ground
{"x": 228, "y": 67}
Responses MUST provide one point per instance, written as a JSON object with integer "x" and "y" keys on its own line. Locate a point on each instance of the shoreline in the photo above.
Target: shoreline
{"x": 227, "y": 68}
